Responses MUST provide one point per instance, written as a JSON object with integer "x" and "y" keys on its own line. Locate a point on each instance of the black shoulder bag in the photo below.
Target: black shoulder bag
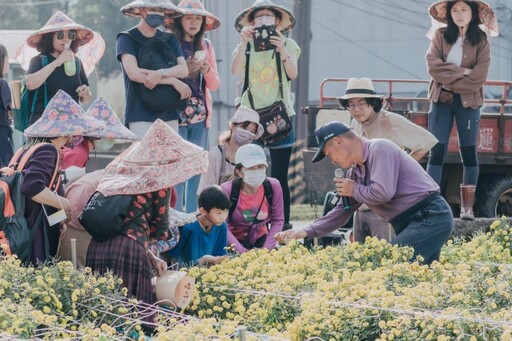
{"x": 275, "y": 119}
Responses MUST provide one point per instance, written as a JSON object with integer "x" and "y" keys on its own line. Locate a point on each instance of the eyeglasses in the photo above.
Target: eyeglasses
{"x": 70, "y": 34}
{"x": 359, "y": 105}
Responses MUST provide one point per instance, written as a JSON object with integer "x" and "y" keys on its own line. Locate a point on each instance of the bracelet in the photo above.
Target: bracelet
{"x": 284, "y": 60}
{"x": 163, "y": 72}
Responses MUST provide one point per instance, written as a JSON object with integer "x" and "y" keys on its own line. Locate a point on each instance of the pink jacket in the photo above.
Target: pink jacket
{"x": 211, "y": 78}
{"x": 470, "y": 87}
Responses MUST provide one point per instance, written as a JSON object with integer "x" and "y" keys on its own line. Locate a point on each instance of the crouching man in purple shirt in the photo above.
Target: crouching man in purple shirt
{"x": 390, "y": 182}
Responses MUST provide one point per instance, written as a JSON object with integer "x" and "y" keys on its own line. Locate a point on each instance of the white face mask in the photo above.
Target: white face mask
{"x": 254, "y": 178}
{"x": 103, "y": 145}
{"x": 265, "y": 20}
{"x": 243, "y": 136}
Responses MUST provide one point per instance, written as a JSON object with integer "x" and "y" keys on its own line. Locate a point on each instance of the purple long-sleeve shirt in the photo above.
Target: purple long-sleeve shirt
{"x": 276, "y": 218}
{"x": 389, "y": 182}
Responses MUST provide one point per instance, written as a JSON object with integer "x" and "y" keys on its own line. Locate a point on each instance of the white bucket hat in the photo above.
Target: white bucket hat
{"x": 245, "y": 114}
{"x": 360, "y": 87}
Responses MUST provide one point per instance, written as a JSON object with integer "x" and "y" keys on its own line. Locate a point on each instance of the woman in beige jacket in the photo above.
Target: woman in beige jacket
{"x": 458, "y": 61}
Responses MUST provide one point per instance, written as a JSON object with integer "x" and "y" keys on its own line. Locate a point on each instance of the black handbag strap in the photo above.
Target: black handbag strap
{"x": 246, "y": 86}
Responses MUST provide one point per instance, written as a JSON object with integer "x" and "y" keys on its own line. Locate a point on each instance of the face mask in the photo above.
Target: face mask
{"x": 254, "y": 178}
{"x": 154, "y": 20}
{"x": 102, "y": 145}
{"x": 264, "y": 21}
{"x": 243, "y": 136}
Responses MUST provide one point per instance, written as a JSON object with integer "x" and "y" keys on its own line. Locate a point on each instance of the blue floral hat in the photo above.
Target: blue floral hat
{"x": 63, "y": 117}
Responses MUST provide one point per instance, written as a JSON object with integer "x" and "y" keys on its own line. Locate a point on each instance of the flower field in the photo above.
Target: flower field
{"x": 368, "y": 291}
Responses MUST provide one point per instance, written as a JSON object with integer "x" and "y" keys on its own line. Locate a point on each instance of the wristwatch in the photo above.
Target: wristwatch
{"x": 163, "y": 72}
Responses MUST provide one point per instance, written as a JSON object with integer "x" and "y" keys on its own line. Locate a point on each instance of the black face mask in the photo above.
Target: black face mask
{"x": 154, "y": 20}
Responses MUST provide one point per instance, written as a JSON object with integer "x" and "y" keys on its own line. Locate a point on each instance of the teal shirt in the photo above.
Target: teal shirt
{"x": 195, "y": 243}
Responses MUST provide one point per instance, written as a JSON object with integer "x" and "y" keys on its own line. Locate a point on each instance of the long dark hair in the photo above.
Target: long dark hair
{"x": 3, "y": 54}
{"x": 179, "y": 32}
{"x": 45, "y": 45}
{"x": 474, "y": 34}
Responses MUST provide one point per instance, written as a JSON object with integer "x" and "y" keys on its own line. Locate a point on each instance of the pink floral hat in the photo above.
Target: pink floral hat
{"x": 58, "y": 22}
{"x": 89, "y": 54}
{"x": 285, "y": 24}
{"x": 196, "y": 7}
{"x": 63, "y": 117}
{"x": 114, "y": 129}
{"x": 163, "y": 6}
{"x": 160, "y": 160}
{"x": 489, "y": 23}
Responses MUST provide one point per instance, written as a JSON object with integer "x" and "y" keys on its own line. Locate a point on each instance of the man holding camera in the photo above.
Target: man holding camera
{"x": 390, "y": 182}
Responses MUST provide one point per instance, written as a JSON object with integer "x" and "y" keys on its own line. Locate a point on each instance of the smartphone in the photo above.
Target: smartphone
{"x": 200, "y": 55}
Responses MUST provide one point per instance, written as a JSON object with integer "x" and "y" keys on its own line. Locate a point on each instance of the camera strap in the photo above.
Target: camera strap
{"x": 246, "y": 86}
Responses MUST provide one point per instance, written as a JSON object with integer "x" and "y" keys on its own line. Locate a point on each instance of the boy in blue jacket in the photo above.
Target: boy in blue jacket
{"x": 204, "y": 241}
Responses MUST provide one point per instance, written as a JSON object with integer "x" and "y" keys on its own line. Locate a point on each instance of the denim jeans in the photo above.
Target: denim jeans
{"x": 186, "y": 192}
{"x": 440, "y": 123}
{"x": 427, "y": 232}
{"x": 6, "y": 146}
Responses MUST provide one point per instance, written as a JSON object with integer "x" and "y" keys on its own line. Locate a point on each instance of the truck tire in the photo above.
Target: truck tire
{"x": 494, "y": 197}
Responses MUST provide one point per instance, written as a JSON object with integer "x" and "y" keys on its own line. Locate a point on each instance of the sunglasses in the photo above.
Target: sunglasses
{"x": 70, "y": 34}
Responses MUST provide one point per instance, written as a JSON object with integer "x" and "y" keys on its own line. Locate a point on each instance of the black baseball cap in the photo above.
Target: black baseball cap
{"x": 326, "y": 132}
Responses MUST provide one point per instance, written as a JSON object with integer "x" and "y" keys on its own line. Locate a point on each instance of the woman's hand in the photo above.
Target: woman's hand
{"x": 182, "y": 88}
{"x": 279, "y": 42}
{"x": 204, "y": 66}
{"x": 84, "y": 93}
{"x": 285, "y": 236}
{"x": 193, "y": 65}
{"x": 65, "y": 56}
{"x": 159, "y": 265}
{"x": 246, "y": 34}
{"x": 67, "y": 208}
{"x": 152, "y": 79}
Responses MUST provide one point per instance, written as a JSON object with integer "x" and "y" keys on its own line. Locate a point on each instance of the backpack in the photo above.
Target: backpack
{"x": 15, "y": 235}
{"x": 155, "y": 53}
{"x": 235, "y": 193}
{"x": 22, "y": 115}
{"x": 104, "y": 217}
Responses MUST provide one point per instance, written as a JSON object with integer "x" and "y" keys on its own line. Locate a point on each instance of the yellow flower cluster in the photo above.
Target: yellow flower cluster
{"x": 364, "y": 291}
{"x": 370, "y": 291}
{"x": 55, "y": 301}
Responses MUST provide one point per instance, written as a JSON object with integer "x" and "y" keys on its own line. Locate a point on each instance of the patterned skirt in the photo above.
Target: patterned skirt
{"x": 127, "y": 259}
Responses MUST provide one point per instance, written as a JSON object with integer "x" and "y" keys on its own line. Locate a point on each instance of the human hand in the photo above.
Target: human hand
{"x": 209, "y": 259}
{"x": 204, "y": 66}
{"x": 285, "y": 236}
{"x": 65, "y": 56}
{"x": 158, "y": 264}
{"x": 344, "y": 186}
{"x": 193, "y": 65}
{"x": 67, "y": 208}
{"x": 278, "y": 41}
{"x": 182, "y": 88}
{"x": 83, "y": 92}
{"x": 246, "y": 33}
{"x": 152, "y": 79}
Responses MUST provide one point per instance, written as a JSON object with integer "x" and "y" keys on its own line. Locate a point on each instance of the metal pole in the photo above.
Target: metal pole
{"x": 300, "y": 86}
{"x": 73, "y": 252}
{"x": 242, "y": 333}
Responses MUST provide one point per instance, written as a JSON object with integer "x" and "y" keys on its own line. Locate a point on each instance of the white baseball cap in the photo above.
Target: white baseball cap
{"x": 250, "y": 155}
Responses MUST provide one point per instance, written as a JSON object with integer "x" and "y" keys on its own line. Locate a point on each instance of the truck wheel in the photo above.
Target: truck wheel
{"x": 494, "y": 197}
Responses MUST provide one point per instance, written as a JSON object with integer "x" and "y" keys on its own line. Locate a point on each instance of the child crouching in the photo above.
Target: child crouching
{"x": 204, "y": 241}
